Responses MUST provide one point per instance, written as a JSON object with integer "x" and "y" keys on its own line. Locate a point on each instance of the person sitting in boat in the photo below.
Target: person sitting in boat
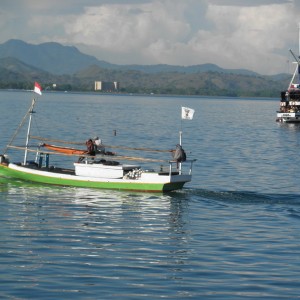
{"x": 90, "y": 147}
{"x": 99, "y": 147}
{"x": 179, "y": 154}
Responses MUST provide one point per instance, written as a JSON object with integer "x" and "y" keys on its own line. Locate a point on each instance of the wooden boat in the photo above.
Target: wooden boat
{"x": 65, "y": 150}
{"x": 93, "y": 171}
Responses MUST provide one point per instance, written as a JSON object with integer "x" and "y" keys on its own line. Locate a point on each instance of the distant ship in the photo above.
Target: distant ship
{"x": 289, "y": 111}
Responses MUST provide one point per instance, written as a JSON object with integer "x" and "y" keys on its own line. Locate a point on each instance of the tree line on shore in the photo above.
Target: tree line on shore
{"x": 198, "y": 84}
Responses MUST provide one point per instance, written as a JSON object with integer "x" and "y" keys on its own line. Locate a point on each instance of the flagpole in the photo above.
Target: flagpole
{"x": 180, "y": 132}
{"x": 38, "y": 90}
{"x": 187, "y": 114}
{"x": 180, "y": 139}
{"x": 28, "y": 130}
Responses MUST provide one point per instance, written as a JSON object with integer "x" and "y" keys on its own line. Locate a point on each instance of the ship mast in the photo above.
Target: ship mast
{"x": 30, "y": 111}
{"x": 299, "y": 40}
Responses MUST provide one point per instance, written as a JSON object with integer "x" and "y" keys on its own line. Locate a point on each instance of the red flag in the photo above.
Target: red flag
{"x": 37, "y": 88}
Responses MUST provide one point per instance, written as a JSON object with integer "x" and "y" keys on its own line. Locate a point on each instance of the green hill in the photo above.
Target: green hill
{"x": 69, "y": 69}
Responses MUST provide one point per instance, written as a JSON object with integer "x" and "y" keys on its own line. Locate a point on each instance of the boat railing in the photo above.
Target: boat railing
{"x": 175, "y": 167}
{"x": 179, "y": 168}
{"x": 185, "y": 167}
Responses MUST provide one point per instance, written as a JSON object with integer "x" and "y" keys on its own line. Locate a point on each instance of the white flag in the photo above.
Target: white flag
{"x": 187, "y": 113}
{"x": 37, "y": 88}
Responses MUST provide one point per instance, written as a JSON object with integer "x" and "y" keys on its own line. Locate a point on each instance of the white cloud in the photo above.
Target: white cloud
{"x": 159, "y": 32}
{"x": 246, "y": 37}
{"x": 253, "y": 34}
{"x": 247, "y": 3}
{"x": 128, "y": 28}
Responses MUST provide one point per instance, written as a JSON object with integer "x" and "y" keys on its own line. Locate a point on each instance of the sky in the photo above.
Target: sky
{"x": 233, "y": 34}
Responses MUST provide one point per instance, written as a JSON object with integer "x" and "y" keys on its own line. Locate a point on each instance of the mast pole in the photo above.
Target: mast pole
{"x": 180, "y": 132}
{"x": 299, "y": 40}
{"x": 298, "y": 67}
{"x": 28, "y": 130}
{"x": 180, "y": 140}
{"x": 180, "y": 137}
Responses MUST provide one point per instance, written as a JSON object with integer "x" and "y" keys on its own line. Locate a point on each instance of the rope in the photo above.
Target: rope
{"x": 20, "y": 126}
{"x": 55, "y": 141}
{"x": 106, "y": 146}
{"x": 120, "y": 157}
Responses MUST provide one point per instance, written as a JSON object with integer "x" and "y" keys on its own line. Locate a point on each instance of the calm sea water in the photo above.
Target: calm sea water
{"x": 232, "y": 233}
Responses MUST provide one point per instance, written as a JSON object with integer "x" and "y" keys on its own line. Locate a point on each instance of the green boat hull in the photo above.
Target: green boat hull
{"x": 6, "y": 171}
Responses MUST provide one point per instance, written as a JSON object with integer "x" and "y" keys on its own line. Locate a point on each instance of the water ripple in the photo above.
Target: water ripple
{"x": 232, "y": 233}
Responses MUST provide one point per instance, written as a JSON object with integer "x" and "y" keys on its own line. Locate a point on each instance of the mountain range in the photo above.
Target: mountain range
{"x": 21, "y": 62}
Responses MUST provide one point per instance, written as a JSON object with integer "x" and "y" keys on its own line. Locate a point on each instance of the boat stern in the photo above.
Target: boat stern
{"x": 288, "y": 117}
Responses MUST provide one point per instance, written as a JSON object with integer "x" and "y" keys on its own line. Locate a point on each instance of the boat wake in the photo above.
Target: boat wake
{"x": 239, "y": 197}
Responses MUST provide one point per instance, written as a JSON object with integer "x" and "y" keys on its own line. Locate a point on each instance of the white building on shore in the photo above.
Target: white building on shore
{"x": 105, "y": 86}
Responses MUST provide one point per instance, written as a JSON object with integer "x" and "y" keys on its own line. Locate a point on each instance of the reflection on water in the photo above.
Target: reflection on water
{"x": 88, "y": 208}
{"x": 90, "y": 230}
{"x": 294, "y": 126}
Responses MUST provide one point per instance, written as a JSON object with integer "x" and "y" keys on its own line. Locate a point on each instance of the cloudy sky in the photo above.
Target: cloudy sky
{"x": 249, "y": 34}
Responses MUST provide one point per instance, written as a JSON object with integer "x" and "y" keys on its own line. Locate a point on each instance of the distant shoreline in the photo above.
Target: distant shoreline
{"x": 140, "y": 94}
